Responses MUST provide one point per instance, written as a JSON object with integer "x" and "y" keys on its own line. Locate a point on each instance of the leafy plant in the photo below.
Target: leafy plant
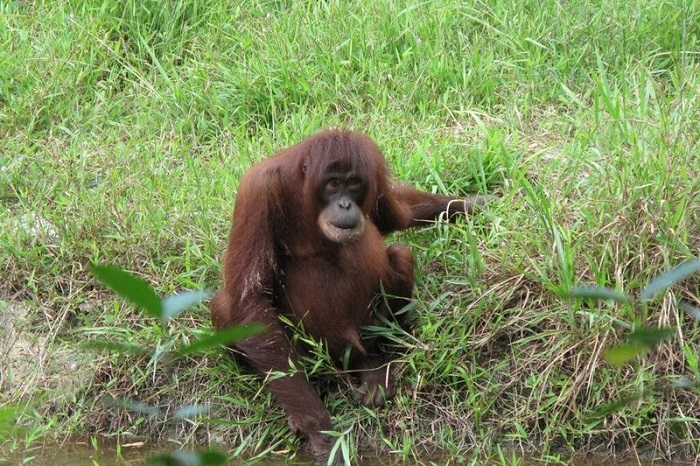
{"x": 643, "y": 338}
{"x": 143, "y": 296}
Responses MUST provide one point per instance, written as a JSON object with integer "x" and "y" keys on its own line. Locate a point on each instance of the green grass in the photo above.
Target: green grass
{"x": 126, "y": 125}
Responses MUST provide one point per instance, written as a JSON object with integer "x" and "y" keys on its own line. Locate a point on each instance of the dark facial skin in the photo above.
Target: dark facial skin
{"x": 341, "y": 219}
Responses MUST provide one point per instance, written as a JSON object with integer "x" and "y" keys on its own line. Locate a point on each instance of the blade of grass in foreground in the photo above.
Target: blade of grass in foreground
{"x": 650, "y": 336}
{"x": 689, "y": 309}
{"x": 599, "y": 292}
{"x": 115, "y": 347}
{"x": 613, "y": 407}
{"x": 134, "y": 289}
{"x": 620, "y": 355}
{"x": 7, "y": 416}
{"x": 669, "y": 278}
{"x": 224, "y": 337}
{"x": 176, "y": 304}
{"x": 638, "y": 342}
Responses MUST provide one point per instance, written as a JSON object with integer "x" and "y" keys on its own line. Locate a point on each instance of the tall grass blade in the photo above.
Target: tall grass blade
{"x": 650, "y": 336}
{"x": 613, "y": 407}
{"x": 133, "y": 289}
{"x": 669, "y": 278}
{"x": 191, "y": 411}
{"x": 689, "y": 309}
{"x": 223, "y": 337}
{"x": 114, "y": 347}
{"x": 7, "y": 416}
{"x": 620, "y": 355}
{"x": 686, "y": 383}
{"x": 138, "y": 407}
{"x": 599, "y": 292}
{"x": 176, "y": 304}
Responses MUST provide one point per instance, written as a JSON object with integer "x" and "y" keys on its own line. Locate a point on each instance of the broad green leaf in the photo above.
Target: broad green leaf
{"x": 599, "y": 292}
{"x": 223, "y": 337}
{"x": 7, "y": 416}
{"x": 612, "y": 407}
{"x": 622, "y": 354}
{"x": 689, "y": 309}
{"x": 669, "y": 278}
{"x": 188, "y": 458}
{"x": 134, "y": 289}
{"x": 685, "y": 383}
{"x": 191, "y": 411}
{"x": 174, "y": 305}
{"x": 114, "y": 347}
{"x": 650, "y": 336}
{"x": 691, "y": 356}
{"x": 139, "y": 407}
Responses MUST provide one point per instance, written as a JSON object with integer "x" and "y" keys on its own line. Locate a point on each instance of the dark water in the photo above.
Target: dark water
{"x": 72, "y": 453}
{"x": 85, "y": 454}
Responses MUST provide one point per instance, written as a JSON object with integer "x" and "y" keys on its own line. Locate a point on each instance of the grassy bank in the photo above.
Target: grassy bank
{"x": 126, "y": 125}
